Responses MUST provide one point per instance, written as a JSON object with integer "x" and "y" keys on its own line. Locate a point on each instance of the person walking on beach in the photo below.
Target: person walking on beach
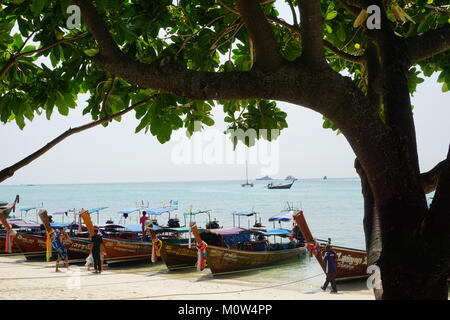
{"x": 97, "y": 249}
{"x": 58, "y": 245}
{"x": 330, "y": 260}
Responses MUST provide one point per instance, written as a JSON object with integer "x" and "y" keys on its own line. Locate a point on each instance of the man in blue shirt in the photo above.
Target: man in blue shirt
{"x": 58, "y": 245}
{"x": 330, "y": 259}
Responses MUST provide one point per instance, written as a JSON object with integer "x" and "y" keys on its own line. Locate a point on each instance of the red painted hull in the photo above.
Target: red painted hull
{"x": 352, "y": 263}
{"x": 33, "y": 247}
{"x": 2, "y": 246}
{"x": 120, "y": 250}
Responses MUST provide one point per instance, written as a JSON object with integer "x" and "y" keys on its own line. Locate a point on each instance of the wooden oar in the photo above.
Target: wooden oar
{"x": 301, "y": 222}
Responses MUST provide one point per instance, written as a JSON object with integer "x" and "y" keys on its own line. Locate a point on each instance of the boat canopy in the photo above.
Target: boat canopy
{"x": 133, "y": 227}
{"x": 58, "y": 225}
{"x": 19, "y": 223}
{"x": 130, "y": 210}
{"x": 277, "y": 232}
{"x": 96, "y": 209}
{"x": 228, "y": 231}
{"x": 179, "y": 230}
{"x": 28, "y": 209}
{"x": 159, "y": 211}
{"x": 244, "y": 213}
{"x": 285, "y": 215}
{"x": 193, "y": 213}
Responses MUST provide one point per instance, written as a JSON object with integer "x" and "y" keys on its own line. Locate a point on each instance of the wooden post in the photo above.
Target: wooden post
{"x": 301, "y": 222}
{"x": 195, "y": 232}
{"x": 87, "y": 221}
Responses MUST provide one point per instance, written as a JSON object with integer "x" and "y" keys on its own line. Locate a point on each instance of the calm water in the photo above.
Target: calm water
{"x": 333, "y": 208}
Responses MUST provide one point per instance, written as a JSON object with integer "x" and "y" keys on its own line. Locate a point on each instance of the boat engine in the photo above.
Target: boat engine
{"x": 173, "y": 223}
{"x": 213, "y": 225}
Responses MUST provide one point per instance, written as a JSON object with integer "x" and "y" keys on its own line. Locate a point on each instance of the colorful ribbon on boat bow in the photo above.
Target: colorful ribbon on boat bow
{"x": 201, "y": 255}
{"x": 156, "y": 247}
{"x": 9, "y": 241}
{"x": 312, "y": 248}
{"x": 48, "y": 246}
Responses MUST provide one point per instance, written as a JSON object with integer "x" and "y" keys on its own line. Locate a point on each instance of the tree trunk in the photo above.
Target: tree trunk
{"x": 414, "y": 257}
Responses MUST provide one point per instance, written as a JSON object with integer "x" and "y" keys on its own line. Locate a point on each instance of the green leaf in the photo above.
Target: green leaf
{"x": 331, "y": 15}
{"x": 37, "y": 6}
{"x": 91, "y": 52}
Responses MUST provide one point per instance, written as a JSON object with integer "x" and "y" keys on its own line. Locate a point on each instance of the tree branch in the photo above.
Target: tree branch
{"x": 9, "y": 172}
{"x": 14, "y": 58}
{"x": 312, "y": 33}
{"x": 430, "y": 179}
{"x": 428, "y": 44}
{"x": 268, "y": 55}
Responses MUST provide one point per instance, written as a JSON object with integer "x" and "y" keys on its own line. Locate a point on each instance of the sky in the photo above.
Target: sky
{"x": 117, "y": 154}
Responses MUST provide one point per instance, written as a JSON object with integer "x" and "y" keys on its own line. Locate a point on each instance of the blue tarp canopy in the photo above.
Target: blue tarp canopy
{"x": 131, "y": 210}
{"x": 244, "y": 213}
{"x": 277, "y": 232}
{"x": 133, "y": 227}
{"x": 58, "y": 225}
{"x": 96, "y": 209}
{"x": 159, "y": 211}
{"x": 285, "y": 215}
{"x": 193, "y": 213}
{"x": 28, "y": 209}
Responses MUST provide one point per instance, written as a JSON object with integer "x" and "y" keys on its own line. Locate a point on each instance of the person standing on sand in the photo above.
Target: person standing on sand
{"x": 97, "y": 249}
{"x": 58, "y": 245}
{"x": 330, "y": 260}
{"x": 143, "y": 219}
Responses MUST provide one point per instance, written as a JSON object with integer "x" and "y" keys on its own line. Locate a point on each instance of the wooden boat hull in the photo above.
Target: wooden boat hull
{"x": 34, "y": 247}
{"x": 15, "y": 248}
{"x": 222, "y": 260}
{"x": 119, "y": 250}
{"x": 177, "y": 256}
{"x": 352, "y": 263}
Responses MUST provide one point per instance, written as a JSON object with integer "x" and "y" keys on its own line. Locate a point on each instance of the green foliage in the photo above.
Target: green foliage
{"x": 201, "y": 34}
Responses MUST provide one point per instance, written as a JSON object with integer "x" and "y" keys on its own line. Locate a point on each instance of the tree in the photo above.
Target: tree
{"x": 242, "y": 55}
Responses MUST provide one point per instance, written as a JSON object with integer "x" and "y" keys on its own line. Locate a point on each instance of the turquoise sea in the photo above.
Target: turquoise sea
{"x": 333, "y": 209}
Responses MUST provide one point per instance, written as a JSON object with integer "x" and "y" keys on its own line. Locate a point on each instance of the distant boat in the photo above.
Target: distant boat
{"x": 247, "y": 184}
{"x": 325, "y": 178}
{"x": 281, "y": 186}
{"x": 265, "y": 178}
{"x": 290, "y": 178}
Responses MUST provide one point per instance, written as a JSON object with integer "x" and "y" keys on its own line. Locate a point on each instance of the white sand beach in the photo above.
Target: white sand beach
{"x": 38, "y": 280}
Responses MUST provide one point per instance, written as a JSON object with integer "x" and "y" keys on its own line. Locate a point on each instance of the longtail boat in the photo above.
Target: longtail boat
{"x": 233, "y": 250}
{"x": 180, "y": 252}
{"x": 21, "y": 227}
{"x": 352, "y": 263}
{"x": 7, "y": 236}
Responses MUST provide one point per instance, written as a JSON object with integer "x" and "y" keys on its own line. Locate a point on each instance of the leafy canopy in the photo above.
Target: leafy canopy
{"x": 205, "y": 35}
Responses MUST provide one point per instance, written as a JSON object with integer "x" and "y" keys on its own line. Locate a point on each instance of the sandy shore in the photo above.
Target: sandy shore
{"x": 38, "y": 280}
